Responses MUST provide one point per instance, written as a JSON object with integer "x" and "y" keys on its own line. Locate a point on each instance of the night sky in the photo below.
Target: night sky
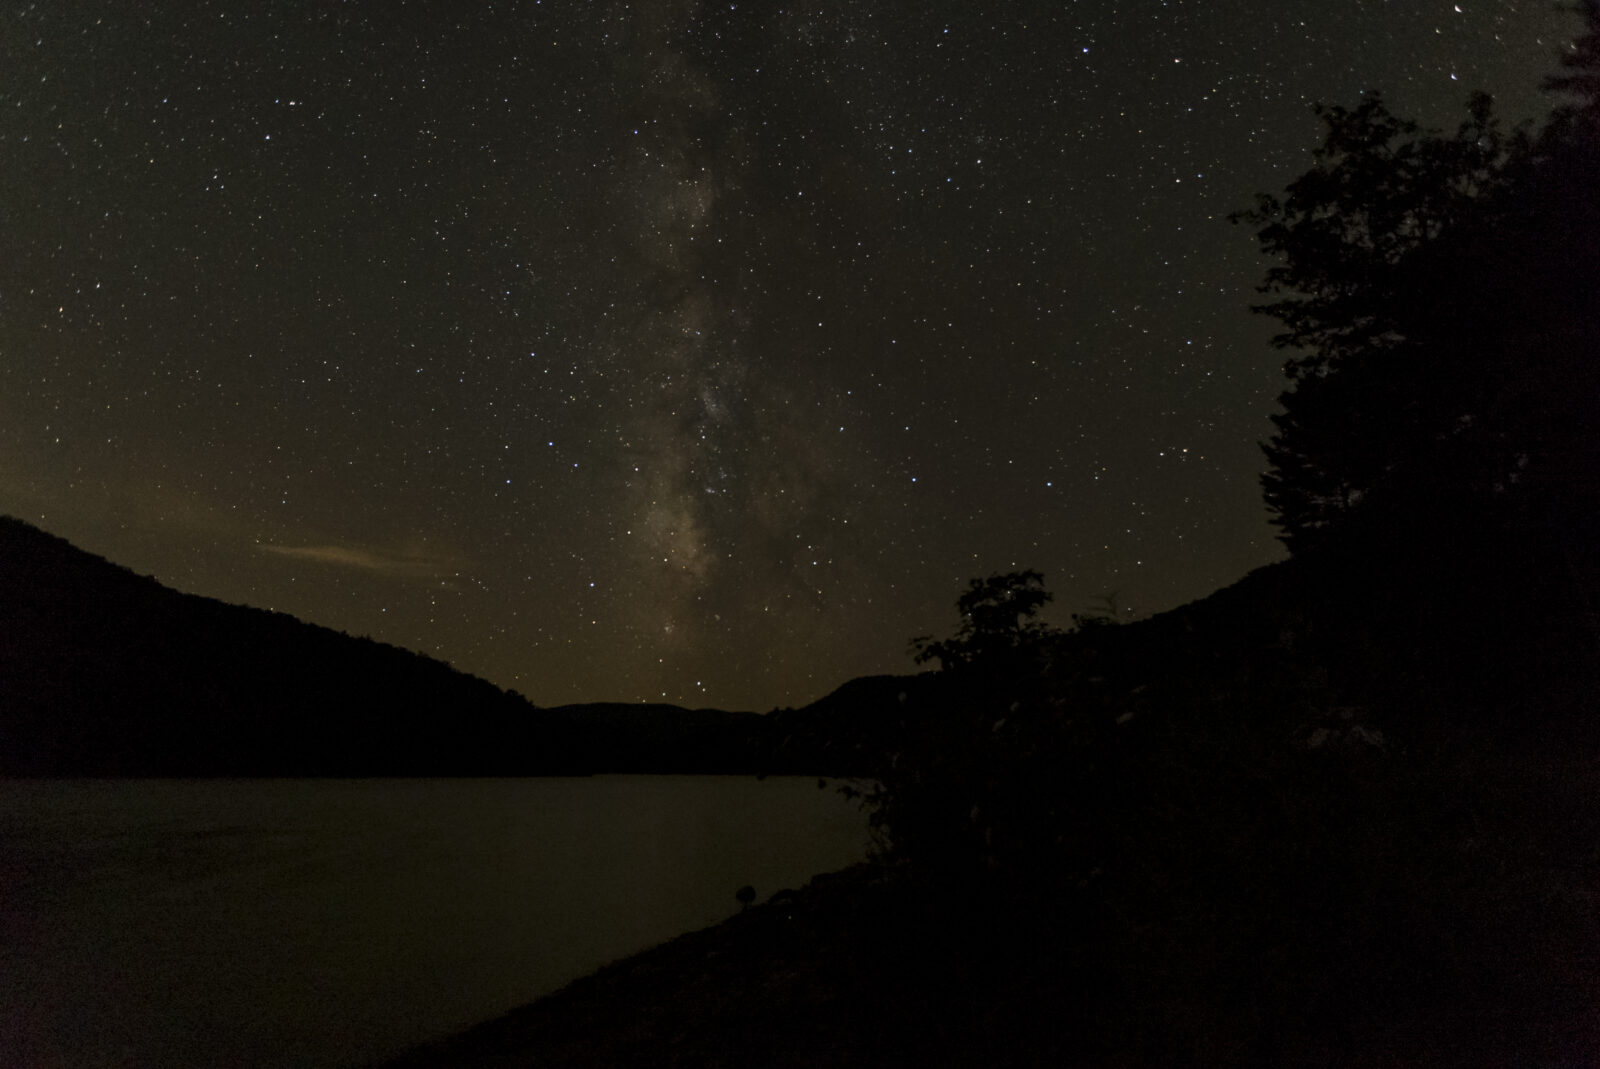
{"x": 672, "y": 351}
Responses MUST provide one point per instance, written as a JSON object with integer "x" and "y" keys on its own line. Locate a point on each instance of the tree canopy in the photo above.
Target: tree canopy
{"x": 1438, "y": 297}
{"x": 997, "y": 619}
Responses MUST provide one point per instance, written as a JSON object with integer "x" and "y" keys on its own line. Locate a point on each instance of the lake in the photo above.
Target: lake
{"x": 333, "y": 922}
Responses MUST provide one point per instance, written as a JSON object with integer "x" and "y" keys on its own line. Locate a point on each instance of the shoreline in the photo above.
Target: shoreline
{"x": 865, "y": 967}
{"x": 848, "y": 970}
{"x": 633, "y": 1010}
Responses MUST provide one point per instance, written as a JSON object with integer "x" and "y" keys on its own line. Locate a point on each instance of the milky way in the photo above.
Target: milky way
{"x": 682, "y": 350}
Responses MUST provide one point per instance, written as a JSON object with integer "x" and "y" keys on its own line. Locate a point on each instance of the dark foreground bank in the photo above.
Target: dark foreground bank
{"x": 867, "y": 968}
{"x": 853, "y": 969}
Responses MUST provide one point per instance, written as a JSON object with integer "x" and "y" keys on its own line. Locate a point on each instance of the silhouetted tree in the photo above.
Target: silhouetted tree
{"x": 1379, "y": 189}
{"x": 1581, "y": 77}
{"x": 1438, "y": 293}
{"x": 997, "y": 622}
{"x": 963, "y": 790}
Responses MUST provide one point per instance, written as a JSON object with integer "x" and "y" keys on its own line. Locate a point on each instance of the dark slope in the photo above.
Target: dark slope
{"x": 1498, "y": 642}
{"x": 104, "y": 672}
{"x": 1495, "y": 639}
{"x": 847, "y": 732}
{"x": 650, "y": 738}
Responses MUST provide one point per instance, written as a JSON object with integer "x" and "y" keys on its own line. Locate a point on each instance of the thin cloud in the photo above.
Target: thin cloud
{"x": 365, "y": 559}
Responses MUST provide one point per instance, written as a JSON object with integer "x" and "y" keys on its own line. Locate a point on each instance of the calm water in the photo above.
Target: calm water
{"x": 265, "y": 923}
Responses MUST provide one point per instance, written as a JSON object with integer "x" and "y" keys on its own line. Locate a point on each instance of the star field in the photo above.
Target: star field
{"x": 679, "y": 350}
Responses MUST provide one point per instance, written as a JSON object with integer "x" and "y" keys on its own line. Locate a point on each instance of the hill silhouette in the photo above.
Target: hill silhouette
{"x": 104, "y": 672}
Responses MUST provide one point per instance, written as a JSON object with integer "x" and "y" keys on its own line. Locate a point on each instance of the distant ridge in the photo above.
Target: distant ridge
{"x": 104, "y": 672}
{"x": 107, "y": 673}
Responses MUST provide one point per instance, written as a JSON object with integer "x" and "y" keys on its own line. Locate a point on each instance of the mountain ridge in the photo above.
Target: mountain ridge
{"x": 107, "y": 672}
{"x": 104, "y": 672}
